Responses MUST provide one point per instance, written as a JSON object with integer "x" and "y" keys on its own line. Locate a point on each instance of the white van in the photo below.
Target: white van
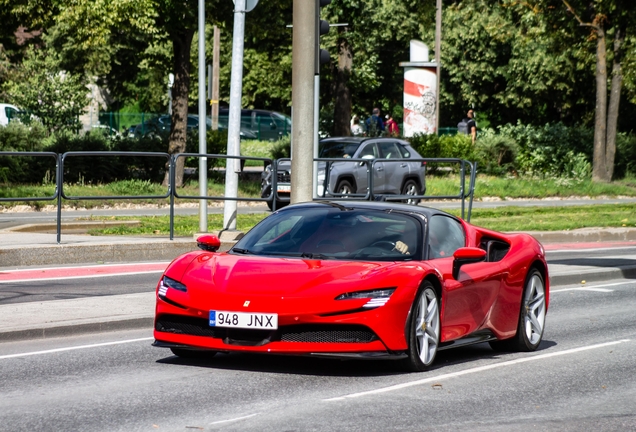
{"x": 7, "y": 112}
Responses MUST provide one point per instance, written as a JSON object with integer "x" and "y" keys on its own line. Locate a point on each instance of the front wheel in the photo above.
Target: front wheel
{"x": 423, "y": 330}
{"x": 411, "y": 188}
{"x": 531, "y": 317}
{"x": 344, "y": 188}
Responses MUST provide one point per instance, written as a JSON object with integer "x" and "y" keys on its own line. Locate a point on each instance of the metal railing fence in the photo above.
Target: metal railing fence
{"x": 172, "y": 193}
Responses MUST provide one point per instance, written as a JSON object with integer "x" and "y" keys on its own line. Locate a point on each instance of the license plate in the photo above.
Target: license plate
{"x": 284, "y": 188}
{"x": 243, "y": 320}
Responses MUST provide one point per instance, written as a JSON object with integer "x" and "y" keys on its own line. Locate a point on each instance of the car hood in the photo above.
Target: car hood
{"x": 234, "y": 274}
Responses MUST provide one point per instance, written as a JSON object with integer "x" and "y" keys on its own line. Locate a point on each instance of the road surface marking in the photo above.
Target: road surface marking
{"x": 60, "y": 273}
{"x": 593, "y": 287}
{"x": 473, "y": 370}
{"x": 581, "y": 289}
{"x": 234, "y": 419}
{"x": 79, "y": 277}
{"x": 74, "y": 348}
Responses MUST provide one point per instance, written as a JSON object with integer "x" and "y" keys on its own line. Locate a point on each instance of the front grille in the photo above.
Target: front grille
{"x": 327, "y": 334}
{"x": 317, "y": 333}
{"x": 186, "y": 325}
{"x": 283, "y": 177}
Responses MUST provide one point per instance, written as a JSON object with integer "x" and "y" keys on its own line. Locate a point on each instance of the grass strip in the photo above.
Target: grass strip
{"x": 503, "y": 219}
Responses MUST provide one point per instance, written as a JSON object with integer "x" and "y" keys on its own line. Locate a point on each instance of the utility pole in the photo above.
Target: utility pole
{"x": 303, "y": 63}
{"x": 203, "y": 161}
{"x": 438, "y": 58}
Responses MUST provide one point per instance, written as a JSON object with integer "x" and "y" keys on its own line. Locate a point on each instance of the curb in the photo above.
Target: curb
{"x": 585, "y": 235}
{"x": 78, "y": 329}
{"x": 597, "y": 275}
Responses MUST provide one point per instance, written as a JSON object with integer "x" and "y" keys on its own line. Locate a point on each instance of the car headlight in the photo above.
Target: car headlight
{"x": 377, "y": 297}
{"x": 167, "y": 282}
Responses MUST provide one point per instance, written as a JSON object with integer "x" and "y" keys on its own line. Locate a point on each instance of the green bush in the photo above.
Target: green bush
{"x": 547, "y": 151}
{"x": 625, "y": 155}
{"x": 443, "y": 146}
{"x": 282, "y": 148}
{"x": 19, "y": 137}
{"x": 496, "y": 153}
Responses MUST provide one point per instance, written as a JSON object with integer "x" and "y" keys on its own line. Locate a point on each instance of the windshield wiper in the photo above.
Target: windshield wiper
{"x": 241, "y": 251}
{"x": 299, "y": 255}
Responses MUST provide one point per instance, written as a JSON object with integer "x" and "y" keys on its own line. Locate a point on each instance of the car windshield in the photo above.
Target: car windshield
{"x": 335, "y": 232}
{"x": 338, "y": 149}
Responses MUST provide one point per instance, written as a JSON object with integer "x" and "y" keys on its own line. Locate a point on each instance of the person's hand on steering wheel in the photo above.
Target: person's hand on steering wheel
{"x": 402, "y": 248}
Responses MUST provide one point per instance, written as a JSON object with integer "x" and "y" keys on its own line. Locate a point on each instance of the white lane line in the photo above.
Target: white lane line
{"x": 608, "y": 285}
{"x": 74, "y": 348}
{"x": 473, "y": 370}
{"x": 234, "y": 419}
{"x": 81, "y": 277}
{"x": 581, "y": 289}
{"x": 591, "y": 249}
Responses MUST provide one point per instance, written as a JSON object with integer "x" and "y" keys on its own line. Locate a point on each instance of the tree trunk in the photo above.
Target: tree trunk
{"x": 181, "y": 43}
{"x": 599, "y": 170}
{"x": 615, "y": 96}
{"x": 342, "y": 110}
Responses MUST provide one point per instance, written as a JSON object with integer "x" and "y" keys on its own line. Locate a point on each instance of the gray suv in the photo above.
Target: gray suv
{"x": 394, "y": 171}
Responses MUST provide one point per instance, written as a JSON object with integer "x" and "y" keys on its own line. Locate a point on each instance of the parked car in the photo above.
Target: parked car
{"x": 105, "y": 130}
{"x": 265, "y": 125}
{"x": 393, "y": 171}
{"x": 8, "y": 112}
{"x": 372, "y": 280}
{"x": 161, "y": 125}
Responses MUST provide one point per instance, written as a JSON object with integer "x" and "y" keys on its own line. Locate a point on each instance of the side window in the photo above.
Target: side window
{"x": 389, "y": 150}
{"x": 370, "y": 151}
{"x": 445, "y": 236}
{"x": 404, "y": 151}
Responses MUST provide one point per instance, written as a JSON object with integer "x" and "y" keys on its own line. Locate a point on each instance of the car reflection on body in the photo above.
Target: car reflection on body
{"x": 356, "y": 279}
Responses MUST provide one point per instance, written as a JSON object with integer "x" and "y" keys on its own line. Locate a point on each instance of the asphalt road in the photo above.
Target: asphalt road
{"x": 143, "y": 277}
{"x": 580, "y": 379}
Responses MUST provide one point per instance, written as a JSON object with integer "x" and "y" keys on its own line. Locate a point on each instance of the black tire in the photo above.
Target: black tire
{"x": 192, "y": 353}
{"x": 423, "y": 344}
{"x": 411, "y": 188}
{"x": 531, "y": 321}
{"x": 344, "y": 187}
{"x": 279, "y": 205}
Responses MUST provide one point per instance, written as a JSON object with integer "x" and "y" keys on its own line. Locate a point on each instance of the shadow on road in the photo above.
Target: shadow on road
{"x": 315, "y": 366}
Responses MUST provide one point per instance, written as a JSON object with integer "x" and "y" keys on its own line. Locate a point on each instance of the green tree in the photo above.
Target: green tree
{"x": 606, "y": 23}
{"x": 39, "y": 86}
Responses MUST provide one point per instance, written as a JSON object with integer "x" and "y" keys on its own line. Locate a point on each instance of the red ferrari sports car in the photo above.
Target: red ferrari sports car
{"x": 356, "y": 279}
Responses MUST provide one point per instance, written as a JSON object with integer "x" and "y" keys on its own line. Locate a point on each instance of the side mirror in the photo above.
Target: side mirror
{"x": 467, "y": 255}
{"x": 208, "y": 242}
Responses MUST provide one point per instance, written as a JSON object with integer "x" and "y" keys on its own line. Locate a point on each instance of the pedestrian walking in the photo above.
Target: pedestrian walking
{"x": 468, "y": 126}
{"x": 375, "y": 125}
{"x": 391, "y": 126}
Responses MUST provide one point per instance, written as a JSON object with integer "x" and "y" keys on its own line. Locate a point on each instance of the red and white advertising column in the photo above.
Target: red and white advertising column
{"x": 420, "y": 92}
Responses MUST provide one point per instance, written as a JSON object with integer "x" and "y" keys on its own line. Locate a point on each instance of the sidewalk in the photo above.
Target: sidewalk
{"x": 97, "y": 314}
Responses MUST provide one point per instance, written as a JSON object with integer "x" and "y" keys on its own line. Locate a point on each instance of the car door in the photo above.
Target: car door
{"x": 467, "y": 300}
{"x": 394, "y": 166}
{"x": 368, "y": 151}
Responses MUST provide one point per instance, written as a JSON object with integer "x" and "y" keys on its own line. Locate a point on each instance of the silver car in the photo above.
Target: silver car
{"x": 391, "y": 159}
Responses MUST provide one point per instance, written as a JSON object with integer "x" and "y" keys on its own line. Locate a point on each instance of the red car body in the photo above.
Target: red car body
{"x": 483, "y": 302}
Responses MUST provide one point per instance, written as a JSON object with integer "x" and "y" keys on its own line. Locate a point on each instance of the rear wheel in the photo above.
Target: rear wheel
{"x": 345, "y": 188}
{"x": 531, "y": 317}
{"x": 424, "y": 330}
{"x": 192, "y": 353}
{"x": 411, "y": 188}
